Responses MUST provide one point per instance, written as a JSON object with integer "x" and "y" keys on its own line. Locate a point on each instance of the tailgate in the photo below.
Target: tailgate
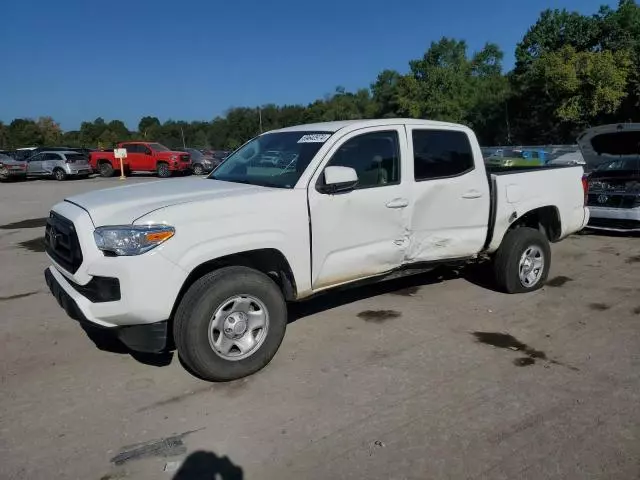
{"x": 518, "y": 193}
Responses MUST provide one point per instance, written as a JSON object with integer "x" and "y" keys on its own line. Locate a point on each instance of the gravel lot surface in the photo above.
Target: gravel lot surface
{"x": 430, "y": 377}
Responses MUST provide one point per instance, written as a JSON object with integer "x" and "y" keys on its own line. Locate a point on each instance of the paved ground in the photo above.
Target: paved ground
{"x": 427, "y": 378}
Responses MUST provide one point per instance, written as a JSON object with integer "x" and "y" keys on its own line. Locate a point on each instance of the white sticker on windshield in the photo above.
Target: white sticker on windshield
{"x": 315, "y": 138}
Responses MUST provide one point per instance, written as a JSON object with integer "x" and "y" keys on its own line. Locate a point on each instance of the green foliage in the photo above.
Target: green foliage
{"x": 571, "y": 71}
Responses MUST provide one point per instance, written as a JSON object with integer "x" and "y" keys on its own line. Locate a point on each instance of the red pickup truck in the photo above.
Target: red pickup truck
{"x": 141, "y": 157}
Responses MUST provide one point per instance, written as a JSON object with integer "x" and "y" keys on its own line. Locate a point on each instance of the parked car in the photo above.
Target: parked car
{"x": 201, "y": 163}
{"x": 58, "y": 164}
{"x": 566, "y": 157}
{"x": 614, "y": 196}
{"x": 516, "y": 157}
{"x": 363, "y": 200}
{"x": 24, "y": 152}
{"x": 613, "y": 155}
{"x": 220, "y": 154}
{"x": 141, "y": 157}
{"x": 10, "y": 168}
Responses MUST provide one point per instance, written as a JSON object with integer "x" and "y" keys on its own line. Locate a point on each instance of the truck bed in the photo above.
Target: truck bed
{"x": 517, "y": 190}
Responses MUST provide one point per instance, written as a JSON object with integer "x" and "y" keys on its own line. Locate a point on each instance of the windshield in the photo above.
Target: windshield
{"x": 158, "y": 147}
{"x": 272, "y": 160}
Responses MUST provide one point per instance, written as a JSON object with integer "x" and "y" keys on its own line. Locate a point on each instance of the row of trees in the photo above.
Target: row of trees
{"x": 571, "y": 71}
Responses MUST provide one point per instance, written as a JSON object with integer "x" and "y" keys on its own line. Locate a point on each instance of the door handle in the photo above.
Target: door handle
{"x": 472, "y": 194}
{"x": 398, "y": 203}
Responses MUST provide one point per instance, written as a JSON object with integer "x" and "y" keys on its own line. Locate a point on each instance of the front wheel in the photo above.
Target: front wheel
{"x": 198, "y": 169}
{"x": 522, "y": 261}
{"x": 230, "y": 323}
{"x": 163, "y": 170}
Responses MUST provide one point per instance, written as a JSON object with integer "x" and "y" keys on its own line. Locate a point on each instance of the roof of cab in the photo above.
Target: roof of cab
{"x": 355, "y": 124}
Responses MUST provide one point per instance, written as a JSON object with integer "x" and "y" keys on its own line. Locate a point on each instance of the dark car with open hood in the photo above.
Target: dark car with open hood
{"x": 612, "y": 153}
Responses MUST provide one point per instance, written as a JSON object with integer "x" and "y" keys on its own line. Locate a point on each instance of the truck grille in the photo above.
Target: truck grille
{"x": 61, "y": 242}
{"x": 613, "y": 200}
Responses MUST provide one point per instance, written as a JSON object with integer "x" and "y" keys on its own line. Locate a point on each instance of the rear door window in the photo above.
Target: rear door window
{"x": 441, "y": 154}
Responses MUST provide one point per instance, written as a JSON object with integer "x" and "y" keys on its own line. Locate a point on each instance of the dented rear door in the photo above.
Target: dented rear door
{"x": 449, "y": 192}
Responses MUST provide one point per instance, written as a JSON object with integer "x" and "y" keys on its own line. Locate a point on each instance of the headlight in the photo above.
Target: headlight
{"x": 126, "y": 240}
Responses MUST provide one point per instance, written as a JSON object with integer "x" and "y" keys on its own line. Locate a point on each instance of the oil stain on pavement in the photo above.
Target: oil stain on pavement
{"x": 509, "y": 342}
{"x": 634, "y": 259}
{"x": 506, "y": 341}
{"x": 164, "y": 447}
{"x": 378, "y": 316}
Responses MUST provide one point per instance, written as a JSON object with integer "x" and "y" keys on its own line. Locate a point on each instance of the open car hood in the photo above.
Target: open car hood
{"x": 609, "y": 142}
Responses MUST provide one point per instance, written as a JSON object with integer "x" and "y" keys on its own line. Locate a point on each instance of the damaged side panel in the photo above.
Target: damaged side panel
{"x": 449, "y": 218}
{"x": 356, "y": 236}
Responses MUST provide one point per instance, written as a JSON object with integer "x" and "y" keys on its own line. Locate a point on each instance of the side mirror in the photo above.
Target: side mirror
{"x": 338, "y": 180}
{"x": 148, "y": 152}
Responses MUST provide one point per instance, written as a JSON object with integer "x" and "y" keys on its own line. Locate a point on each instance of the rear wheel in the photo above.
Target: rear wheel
{"x": 522, "y": 261}
{"x": 59, "y": 174}
{"x": 163, "y": 170}
{"x": 4, "y": 173}
{"x": 106, "y": 169}
{"x": 230, "y": 323}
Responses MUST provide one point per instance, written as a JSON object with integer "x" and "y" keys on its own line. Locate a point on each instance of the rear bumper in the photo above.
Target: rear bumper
{"x": 149, "y": 338}
{"x": 615, "y": 219}
{"x": 16, "y": 173}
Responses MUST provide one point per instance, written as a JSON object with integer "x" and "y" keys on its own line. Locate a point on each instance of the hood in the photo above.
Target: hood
{"x": 609, "y": 142}
{"x": 123, "y": 205}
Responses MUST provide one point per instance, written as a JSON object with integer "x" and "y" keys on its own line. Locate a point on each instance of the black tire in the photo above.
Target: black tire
{"x": 59, "y": 174}
{"x": 198, "y": 169}
{"x": 106, "y": 169}
{"x": 506, "y": 263}
{"x": 163, "y": 170}
{"x": 204, "y": 297}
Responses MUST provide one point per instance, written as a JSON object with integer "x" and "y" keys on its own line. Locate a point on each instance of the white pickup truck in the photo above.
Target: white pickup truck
{"x": 210, "y": 263}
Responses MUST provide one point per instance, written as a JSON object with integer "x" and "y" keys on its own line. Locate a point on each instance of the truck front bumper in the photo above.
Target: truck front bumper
{"x": 132, "y": 296}
{"x": 149, "y": 338}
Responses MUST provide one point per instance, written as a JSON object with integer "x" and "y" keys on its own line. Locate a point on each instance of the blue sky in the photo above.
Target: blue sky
{"x": 191, "y": 60}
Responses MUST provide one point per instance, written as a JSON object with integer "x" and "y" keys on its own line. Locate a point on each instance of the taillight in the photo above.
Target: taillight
{"x": 585, "y": 188}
